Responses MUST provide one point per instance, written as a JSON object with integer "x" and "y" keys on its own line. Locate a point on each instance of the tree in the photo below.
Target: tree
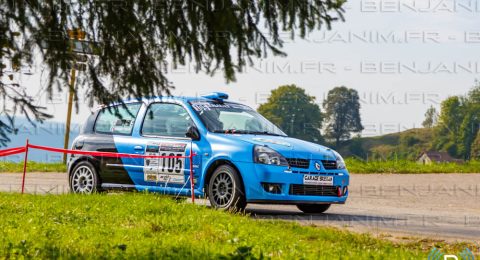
{"x": 470, "y": 123}
{"x": 468, "y": 132}
{"x": 295, "y": 112}
{"x": 474, "y": 93}
{"x": 448, "y": 127}
{"x": 475, "y": 153}
{"x": 140, "y": 40}
{"x": 431, "y": 118}
{"x": 451, "y": 115}
{"x": 342, "y": 113}
{"x": 458, "y": 123}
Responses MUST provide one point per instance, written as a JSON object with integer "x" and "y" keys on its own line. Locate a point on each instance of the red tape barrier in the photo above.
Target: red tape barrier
{"x": 11, "y": 151}
{"x": 103, "y": 154}
{"x": 17, "y": 150}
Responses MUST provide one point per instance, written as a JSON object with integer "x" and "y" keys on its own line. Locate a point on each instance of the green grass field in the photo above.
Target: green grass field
{"x": 405, "y": 166}
{"x": 150, "y": 226}
{"x": 354, "y": 166}
{"x": 32, "y": 167}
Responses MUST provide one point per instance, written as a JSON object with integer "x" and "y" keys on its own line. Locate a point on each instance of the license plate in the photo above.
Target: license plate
{"x": 318, "y": 180}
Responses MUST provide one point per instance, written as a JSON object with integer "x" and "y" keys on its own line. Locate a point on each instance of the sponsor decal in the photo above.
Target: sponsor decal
{"x": 173, "y": 147}
{"x": 166, "y": 170}
{"x": 150, "y": 177}
{"x": 318, "y": 180}
{"x": 207, "y": 106}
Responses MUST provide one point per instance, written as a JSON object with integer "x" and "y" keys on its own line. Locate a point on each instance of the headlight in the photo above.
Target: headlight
{"x": 340, "y": 162}
{"x": 266, "y": 155}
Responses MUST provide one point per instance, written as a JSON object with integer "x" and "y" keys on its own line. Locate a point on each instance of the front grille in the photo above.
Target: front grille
{"x": 298, "y": 163}
{"x": 312, "y": 190}
{"x": 329, "y": 165}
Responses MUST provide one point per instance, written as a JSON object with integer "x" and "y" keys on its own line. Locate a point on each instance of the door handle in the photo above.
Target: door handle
{"x": 138, "y": 147}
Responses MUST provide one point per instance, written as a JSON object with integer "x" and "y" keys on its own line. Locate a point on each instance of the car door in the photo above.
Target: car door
{"x": 113, "y": 128}
{"x": 162, "y": 133}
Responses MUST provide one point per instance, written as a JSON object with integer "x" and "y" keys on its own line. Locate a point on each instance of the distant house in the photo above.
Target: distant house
{"x": 436, "y": 157}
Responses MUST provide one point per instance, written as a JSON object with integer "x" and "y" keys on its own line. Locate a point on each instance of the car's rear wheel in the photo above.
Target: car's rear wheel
{"x": 313, "y": 208}
{"x": 84, "y": 179}
{"x": 225, "y": 189}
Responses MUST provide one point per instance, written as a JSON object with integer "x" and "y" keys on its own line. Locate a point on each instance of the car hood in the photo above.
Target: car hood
{"x": 287, "y": 146}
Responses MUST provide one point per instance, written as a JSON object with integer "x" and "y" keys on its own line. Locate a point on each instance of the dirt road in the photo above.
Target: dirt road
{"x": 438, "y": 206}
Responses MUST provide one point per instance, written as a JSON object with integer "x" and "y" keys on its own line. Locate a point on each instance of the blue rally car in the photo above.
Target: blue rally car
{"x": 240, "y": 157}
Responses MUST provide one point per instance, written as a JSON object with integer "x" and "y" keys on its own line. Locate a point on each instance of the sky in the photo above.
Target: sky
{"x": 402, "y": 56}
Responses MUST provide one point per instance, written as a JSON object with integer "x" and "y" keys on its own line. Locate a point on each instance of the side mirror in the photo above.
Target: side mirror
{"x": 192, "y": 132}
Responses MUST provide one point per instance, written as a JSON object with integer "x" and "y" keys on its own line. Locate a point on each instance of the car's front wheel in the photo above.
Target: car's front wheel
{"x": 313, "y": 208}
{"x": 84, "y": 178}
{"x": 225, "y": 189}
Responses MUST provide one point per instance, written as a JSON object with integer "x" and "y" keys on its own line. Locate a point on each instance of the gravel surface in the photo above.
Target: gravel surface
{"x": 436, "y": 206}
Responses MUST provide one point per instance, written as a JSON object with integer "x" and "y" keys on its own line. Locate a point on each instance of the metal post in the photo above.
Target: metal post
{"x": 25, "y": 166}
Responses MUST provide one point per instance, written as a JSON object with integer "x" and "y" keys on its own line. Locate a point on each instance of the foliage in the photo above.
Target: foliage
{"x": 384, "y": 152}
{"x": 139, "y": 41}
{"x": 342, "y": 114}
{"x": 127, "y": 226}
{"x": 408, "y": 140}
{"x": 356, "y": 165}
{"x": 475, "y": 154}
{"x": 295, "y": 112}
{"x": 431, "y": 118}
{"x": 474, "y": 93}
{"x": 458, "y": 124}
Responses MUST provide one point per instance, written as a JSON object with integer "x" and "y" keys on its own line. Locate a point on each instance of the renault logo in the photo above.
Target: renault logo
{"x": 318, "y": 166}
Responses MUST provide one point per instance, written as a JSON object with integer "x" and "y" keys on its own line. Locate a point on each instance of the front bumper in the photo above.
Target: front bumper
{"x": 292, "y": 190}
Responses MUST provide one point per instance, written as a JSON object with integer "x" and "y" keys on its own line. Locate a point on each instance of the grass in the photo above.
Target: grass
{"x": 150, "y": 226}
{"x": 406, "y": 166}
{"x": 32, "y": 167}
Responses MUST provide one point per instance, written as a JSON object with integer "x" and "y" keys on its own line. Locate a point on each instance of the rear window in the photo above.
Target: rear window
{"x": 117, "y": 120}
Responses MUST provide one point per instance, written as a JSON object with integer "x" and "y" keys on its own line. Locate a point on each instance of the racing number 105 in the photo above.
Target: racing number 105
{"x": 171, "y": 164}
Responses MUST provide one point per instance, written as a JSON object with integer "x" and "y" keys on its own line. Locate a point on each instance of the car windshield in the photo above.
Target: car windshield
{"x": 234, "y": 118}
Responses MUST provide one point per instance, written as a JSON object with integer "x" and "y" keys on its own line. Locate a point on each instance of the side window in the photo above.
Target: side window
{"x": 164, "y": 119}
{"x": 117, "y": 120}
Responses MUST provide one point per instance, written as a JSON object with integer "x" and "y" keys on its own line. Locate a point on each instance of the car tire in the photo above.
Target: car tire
{"x": 84, "y": 179}
{"x": 313, "y": 208}
{"x": 225, "y": 189}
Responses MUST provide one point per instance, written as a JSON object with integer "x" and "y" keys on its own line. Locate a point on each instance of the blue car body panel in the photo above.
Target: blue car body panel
{"x": 236, "y": 149}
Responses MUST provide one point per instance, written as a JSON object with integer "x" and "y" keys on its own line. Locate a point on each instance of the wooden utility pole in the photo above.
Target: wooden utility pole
{"x": 73, "y": 35}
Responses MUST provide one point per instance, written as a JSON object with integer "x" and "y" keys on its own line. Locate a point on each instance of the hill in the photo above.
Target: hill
{"x": 403, "y": 145}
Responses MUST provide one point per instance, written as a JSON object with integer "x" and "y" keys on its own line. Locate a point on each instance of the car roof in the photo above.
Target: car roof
{"x": 182, "y": 99}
